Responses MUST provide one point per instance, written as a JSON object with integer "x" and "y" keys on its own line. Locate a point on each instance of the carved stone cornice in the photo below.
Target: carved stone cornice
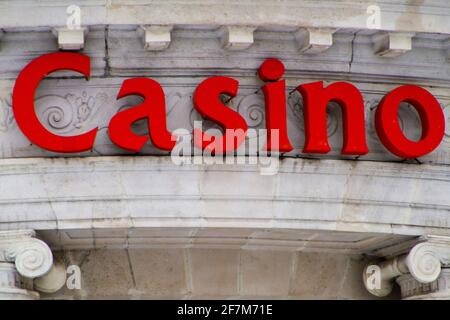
{"x": 332, "y": 54}
{"x": 393, "y": 44}
{"x": 70, "y": 39}
{"x": 422, "y": 267}
{"x": 314, "y": 40}
{"x": 155, "y": 38}
{"x": 397, "y": 15}
{"x": 389, "y": 198}
{"x": 237, "y": 37}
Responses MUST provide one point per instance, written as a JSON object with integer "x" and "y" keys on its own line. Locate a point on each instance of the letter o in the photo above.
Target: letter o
{"x": 431, "y": 116}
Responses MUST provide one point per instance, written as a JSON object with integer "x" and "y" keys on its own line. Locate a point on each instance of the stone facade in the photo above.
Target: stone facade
{"x": 200, "y": 273}
{"x": 137, "y": 226}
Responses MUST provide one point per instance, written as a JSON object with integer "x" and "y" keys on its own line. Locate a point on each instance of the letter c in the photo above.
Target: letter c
{"x": 23, "y": 102}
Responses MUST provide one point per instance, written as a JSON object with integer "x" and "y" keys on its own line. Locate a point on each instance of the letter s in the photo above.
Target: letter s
{"x": 23, "y": 102}
{"x": 208, "y": 104}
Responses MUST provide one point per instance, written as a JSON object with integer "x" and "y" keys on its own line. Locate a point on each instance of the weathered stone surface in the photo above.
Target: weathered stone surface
{"x": 106, "y": 274}
{"x": 265, "y": 273}
{"x": 317, "y": 275}
{"x": 158, "y": 272}
{"x": 328, "y": 276}
{"x": 214, "y": 272}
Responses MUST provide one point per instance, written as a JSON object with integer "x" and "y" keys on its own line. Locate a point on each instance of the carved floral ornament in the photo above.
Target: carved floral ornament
{"x": 308, "y": 103}
{"x": 70, "y": 112}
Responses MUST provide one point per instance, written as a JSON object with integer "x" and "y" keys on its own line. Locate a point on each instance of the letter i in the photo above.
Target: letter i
{"x": 271, "y": 70}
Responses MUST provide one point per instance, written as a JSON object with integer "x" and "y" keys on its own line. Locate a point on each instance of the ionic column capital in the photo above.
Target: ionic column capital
{"x": 423, "y": 262}
{"x": 32, "y": 257}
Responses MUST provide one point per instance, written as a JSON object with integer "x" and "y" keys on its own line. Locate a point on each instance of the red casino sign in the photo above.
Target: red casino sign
{"x": 207, "y": 102}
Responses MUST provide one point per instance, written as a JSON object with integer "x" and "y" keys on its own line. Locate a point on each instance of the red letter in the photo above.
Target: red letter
{"x": 315, "y": 99}
{"x": 207, "y": 102}
{"x": 275, "y": 101}
{"x": 23, "y": 102}
{"x": 153, "y": 109}
{"x": 431, "y": 117}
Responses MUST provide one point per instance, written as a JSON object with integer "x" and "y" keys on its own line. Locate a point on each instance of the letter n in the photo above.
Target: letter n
{"x": 316, "y": 99}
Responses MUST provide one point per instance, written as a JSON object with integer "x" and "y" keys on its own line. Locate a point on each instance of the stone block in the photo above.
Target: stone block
{"x": 214, "y": 272}
{"x": 159, "y": 272}
{"x": 265, "y": 273}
